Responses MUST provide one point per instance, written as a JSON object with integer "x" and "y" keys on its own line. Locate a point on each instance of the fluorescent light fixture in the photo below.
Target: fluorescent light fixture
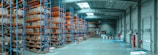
{"x": 90, "y": 14}
{"x": 83, "y": 5}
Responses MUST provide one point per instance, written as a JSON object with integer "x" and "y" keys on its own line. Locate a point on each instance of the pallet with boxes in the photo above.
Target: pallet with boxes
{"x": 12, "y": 21}
{"x": 58, "y": 21}
{"x": 69, "y": 27}
{"x": 37, "y": 27}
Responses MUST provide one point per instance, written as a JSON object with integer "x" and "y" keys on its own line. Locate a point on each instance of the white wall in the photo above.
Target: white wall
{"x": 147, "y": 11}
{"x": 109, "y": 28}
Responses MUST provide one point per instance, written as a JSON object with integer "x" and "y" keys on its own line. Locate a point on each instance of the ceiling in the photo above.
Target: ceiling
{"x": 102, "y": 9}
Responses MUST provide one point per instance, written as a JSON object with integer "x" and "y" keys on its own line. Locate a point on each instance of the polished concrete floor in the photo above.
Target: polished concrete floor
{"x": 92, "y": 46}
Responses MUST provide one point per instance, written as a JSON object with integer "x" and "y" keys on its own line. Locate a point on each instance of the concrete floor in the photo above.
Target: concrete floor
{"x": 92, "y": 46}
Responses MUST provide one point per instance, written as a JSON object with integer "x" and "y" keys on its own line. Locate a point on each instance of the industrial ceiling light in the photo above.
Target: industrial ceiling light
{"x": 90, "y": 14}
{"x": 83, "y": 5}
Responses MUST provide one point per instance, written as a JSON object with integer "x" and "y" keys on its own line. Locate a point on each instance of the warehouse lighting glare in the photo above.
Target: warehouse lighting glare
{"x": 83, "y": 5}
{"x": 90, "y": 14}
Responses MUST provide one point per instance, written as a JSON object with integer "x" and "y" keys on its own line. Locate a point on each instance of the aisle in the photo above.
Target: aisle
{"x": 92, "y": 46}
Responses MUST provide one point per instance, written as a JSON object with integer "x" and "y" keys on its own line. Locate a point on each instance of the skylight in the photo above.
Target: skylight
{"x": 83, "y": 5}
{"x": 90, "y": 14}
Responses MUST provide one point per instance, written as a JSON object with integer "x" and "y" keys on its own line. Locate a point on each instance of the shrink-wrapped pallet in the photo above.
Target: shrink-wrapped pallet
{"x": 36, "y": 30}
{"x": 68, "y": 22}
{"x": 18, "y": 12}
{"x": 68, "y": 26}
{"x": 7, "y": 39}
{"x": 57, "y": 19}
{"x": 39, "y": 9}
{"x": 67, "y": 35}
{"x": 39, "y": 37}
{"x": 38, "y": 23}
{"x": 54, "y": 25}
{"x": 5, "y": 20}
{"x": 17, "y": 30}
{"x": 32, "y": 17}
{"x": 28, "y": 24}
{"x": 3, "y": 11}
{"x": 29, "y": 30}
{"x": 57, "y": 31}
{"x": 48, "y": 30}
{"x": 20, "y": 21}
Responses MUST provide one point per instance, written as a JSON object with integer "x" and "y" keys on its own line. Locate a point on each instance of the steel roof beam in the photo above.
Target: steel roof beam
{"x": 98, "y": 11}
{"x": 96, "y": 17}
{"x": 72, "y": 1}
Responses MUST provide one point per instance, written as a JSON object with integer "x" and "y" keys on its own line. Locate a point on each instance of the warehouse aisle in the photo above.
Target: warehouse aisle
{"x": 92, "y": 46}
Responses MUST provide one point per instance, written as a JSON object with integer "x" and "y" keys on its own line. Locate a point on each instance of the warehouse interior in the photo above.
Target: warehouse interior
{"x": 78, "y": 27}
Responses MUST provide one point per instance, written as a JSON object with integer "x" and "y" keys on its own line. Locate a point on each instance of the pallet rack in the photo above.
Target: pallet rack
{"x": 70, "y": 25}
{"x": 30, "y": 28}
{"x": 12, "y": 26}
{"x": 82, "y": 27}
{"x": 38, "y": 26}
{"x": 77, "y": 27}
{"x": 58, "y": 14}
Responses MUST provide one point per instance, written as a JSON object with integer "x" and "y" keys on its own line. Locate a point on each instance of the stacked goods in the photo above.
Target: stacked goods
{"x": 81, "y": 28}
{"x": 37, "y": 28}
{"x": 69, "y": 27}
{"x": 57, "y": 26}
{"x": 12, "y": 37}
{"x": 3, "y": 16}
{"x": 75, "y": 28}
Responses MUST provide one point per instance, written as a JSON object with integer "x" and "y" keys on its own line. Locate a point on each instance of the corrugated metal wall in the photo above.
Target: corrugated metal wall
{"x": 147, "y": 13}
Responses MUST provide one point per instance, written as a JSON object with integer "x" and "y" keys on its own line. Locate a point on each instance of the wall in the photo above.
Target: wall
{"x": 109, "y": 27}
{"x": 147, "y": 11}
{"x": 91, "y": 25}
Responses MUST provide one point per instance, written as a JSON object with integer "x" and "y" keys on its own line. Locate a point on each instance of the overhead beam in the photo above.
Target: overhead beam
{"x": 99, "y": 11}
{"x": 71, "y": 1}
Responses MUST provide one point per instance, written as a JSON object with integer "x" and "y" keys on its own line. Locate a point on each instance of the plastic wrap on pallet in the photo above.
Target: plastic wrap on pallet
{"x": 20, "y": 21}
{"x": 48, "y": 30}
{"x": 38, "y": 23}
{"x": 6, "y": 20}
{"x": 20, "y": 12}
{"x": 39, "y": 37}
{"x": 8, "y": 1}
{"x": 35, "y": 16}
{"x": 19, "y": 30}
{"x": 29, "y": 30}
{"x": 54, "y": 25}
{"x": 68, "y": 22}
{"x": 57, "y": 19}
{"x": 5, "y": 11}
{"x": 28, "y": 24}
{"x": 36, "y": 30}
{"x": 37, "y": 9}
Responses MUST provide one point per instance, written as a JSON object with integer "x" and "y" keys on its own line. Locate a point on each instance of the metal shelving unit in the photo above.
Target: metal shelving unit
{"x": 58, "y": 21}
{"x": 12, "y": 26}
{"x": 37, "y": 26}
{"x": 70, "y": 25}
{"x": 31, "y": 28}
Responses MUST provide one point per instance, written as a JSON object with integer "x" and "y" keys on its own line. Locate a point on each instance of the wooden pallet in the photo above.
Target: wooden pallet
{"x": 37, "y": 50}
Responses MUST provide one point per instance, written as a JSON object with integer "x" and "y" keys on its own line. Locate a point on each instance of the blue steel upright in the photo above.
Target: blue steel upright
{"x": 10, "y": 18}
{"x": 2, "y": 28}
{"x": 24, "y": 27}
{"x": 45, "y": 24}
{"x": 72, "y": 24}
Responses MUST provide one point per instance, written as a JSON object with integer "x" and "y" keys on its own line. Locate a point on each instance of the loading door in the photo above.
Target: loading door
{"x": 146, "y": 33}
